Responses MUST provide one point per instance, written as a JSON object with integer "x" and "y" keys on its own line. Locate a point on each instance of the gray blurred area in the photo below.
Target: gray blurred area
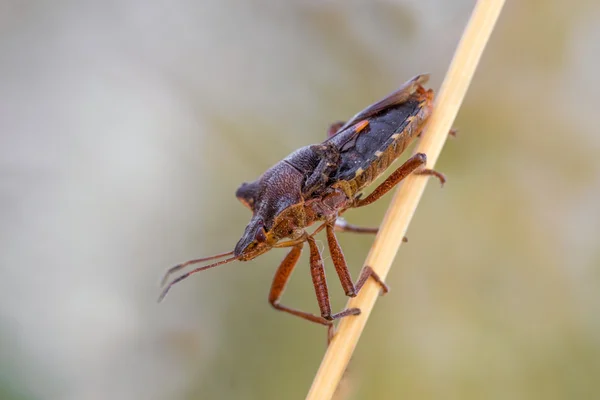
{"x": 126, "y": 127}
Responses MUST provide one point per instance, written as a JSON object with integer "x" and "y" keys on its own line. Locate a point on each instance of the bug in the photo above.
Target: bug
{"x": 317, "y": 184}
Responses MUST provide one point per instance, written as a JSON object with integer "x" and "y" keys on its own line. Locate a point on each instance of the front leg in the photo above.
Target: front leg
{"x": 278, "y": 287}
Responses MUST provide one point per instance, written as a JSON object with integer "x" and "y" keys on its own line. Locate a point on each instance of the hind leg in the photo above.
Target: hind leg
{"x": 411, "y": 165}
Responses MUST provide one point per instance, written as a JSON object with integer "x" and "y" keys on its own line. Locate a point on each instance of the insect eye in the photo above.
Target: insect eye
{"x": 261, "y": 236}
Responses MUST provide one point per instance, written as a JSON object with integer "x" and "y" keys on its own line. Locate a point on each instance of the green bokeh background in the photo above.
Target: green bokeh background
{"x": 128, "y": 126}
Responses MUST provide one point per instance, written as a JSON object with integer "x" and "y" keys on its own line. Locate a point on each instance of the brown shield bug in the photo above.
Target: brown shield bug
{"x": 317, "y": 184}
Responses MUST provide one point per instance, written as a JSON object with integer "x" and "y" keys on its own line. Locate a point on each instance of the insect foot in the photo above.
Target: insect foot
{"x": 384, "y": 288}
{"x": 330, "y": 318}
{"x": 430, "y": 172}
{"x": 365, "y": 274}
{"x": 342, "y": 314}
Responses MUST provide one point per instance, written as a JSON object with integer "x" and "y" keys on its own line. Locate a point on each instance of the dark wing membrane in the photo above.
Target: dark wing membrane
{"x": 398, "y": 97}
{"x": 367, "y": 146}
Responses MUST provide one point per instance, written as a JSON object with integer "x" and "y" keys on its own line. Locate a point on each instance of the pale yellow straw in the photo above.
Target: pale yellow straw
{"x": 405, "y": 201}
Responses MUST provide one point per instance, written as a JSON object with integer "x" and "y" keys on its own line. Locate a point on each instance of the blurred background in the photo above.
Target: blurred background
{"x": 127, "y": 126}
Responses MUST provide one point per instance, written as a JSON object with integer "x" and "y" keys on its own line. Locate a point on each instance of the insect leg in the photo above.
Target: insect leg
{"x": 410, "y": 166}
{"x": 365, "y": 274}
{"x": 278, "y": 286}
{"x": 342, "y": 226}
{"x": 341, "y": 268}
{"x": 320, "y": 283}
{"x": 431, "y": 172}
{"x": 402, "y": 172}
{"x": 337, "y": 256}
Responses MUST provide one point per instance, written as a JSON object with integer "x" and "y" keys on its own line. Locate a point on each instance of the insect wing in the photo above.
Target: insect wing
{"x": 398, "y": 97}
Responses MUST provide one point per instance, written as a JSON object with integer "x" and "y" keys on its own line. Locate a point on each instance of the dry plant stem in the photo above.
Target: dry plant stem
{"x": 405, "y": 201}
